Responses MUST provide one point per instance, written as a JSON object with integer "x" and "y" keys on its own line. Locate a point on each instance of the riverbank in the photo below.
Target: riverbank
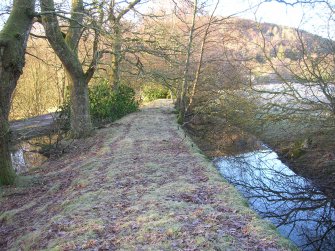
{"x": 310, "y": 155}
{"x": 138, "y": 184}
{"x": 301, "y": 204}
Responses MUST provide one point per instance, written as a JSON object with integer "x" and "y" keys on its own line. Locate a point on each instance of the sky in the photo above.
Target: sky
{"x": 307, "y": 17}
{"x": 311, "y": 18}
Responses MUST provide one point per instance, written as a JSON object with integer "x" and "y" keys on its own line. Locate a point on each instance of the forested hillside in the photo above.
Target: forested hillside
{"x": 235, "y": 54}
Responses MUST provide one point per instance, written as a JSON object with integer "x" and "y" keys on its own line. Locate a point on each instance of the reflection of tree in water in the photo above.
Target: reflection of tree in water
{"x": 299, "y": 209}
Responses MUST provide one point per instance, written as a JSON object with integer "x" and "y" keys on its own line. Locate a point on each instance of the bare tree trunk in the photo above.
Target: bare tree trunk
{"x": 202, "y": 51}
{"x": 66, "y": 50}
{"x": 80, "y": 110}
{"x": 184, "y": 89}
{"x": 13, "y": 43}
{"x": 7, "y": 173}
{"x": 8, "y": 78}
{"x": 117, "y": 55}
{"x": 117, "y": 40}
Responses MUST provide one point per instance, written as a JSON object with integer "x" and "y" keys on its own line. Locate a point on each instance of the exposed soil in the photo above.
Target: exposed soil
{"x": 139, "y": 184}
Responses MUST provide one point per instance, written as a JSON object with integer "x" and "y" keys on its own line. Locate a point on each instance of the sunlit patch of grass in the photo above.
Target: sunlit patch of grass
{"x": 82, "y": 202}
{"x": 103, "y": 151}
{"x": 152, "y": 227}
{"x": 87, "y": 228}
{"x": 82, "y": 233}
{"x": 152, "y": 166}
{"x": 168, "y": 191}
{"x": 9, "y": 216}
{"x": 26, "y": 181}
{"x": 79, "y": 183}
{"x": 266, "y": 231}
{"x": 89, "y": 166}
{"x": 54, "y": 188}
{"x": 226, "y": 242}
{"x": 33, "y": 169}
{"x": 200, "y": 240}
{"x": 27, "y": 241}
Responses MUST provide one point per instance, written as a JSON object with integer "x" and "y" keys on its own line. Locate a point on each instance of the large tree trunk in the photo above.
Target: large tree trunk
{"x": 67, "y": 51}
{"x": 80, "y": 111}
{"x": 8, "y": 80}
{"x": 13, "y": 43}
{"x": 7, "y": 173}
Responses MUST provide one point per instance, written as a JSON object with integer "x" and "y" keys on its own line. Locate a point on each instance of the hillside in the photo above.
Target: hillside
{"x": 277, "y": 38}
{"x": 139, "y": 184}
{"x": 239, "y": 47}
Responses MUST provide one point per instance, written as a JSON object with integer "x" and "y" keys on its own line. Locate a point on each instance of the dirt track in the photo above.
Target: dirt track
{"x": 139, "y": 184}
{"x": 34, "y": 127}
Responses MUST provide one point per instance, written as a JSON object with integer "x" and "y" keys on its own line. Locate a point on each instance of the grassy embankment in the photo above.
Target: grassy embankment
{"x": 138, "y": 184}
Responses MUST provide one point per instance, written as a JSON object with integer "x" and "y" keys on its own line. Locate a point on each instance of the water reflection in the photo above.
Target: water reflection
{"x": 299, "y": 210}
{"x": 27, "y": 154}
{"x": 18, "y": 161}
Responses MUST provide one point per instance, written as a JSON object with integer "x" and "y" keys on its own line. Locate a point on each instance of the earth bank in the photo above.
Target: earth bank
{"x": 138, "y": 184}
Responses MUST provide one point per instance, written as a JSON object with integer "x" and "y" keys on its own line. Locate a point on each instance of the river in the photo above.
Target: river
{"x": 33, "y": 152}
{"x": 299, "y": 209}
{"x": 294, "y": 118}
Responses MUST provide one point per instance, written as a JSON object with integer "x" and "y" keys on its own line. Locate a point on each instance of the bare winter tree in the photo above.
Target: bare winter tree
{"x": 184, "y": 89}
{"x": 66, "y": 48}
{"x": 115, "y": 22}
{"x": 201, "y": 28}
{"x": 204, "y": 42}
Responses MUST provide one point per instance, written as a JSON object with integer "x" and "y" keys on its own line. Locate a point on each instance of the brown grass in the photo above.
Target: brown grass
{"x": 139, "y": 184}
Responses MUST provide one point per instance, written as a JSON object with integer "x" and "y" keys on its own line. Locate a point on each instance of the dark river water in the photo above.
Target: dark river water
{"x": 27, "y": 154}
{"x": 300, "y": 210}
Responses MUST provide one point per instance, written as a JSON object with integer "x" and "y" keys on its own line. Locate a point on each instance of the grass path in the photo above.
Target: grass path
{"x": 139, "y": 184}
